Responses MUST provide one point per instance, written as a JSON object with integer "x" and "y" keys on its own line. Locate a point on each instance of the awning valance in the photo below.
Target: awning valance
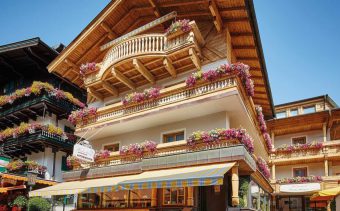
{"x": 326, "y": 194}
{"x": 178, "y": 177}
{"x": 6, "y": 189}
{"x": 21, "y": 178}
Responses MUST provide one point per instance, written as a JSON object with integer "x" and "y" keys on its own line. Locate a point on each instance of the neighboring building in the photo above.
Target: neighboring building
{"x": 34, "y": 105}
{"x": 155, "y": 88}
{"x": 132, "y": 53}
{"x": 305, "y": 138}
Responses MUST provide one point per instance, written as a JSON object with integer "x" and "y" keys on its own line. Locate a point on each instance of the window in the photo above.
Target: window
{"x": 300, "y": 172}
{"x": 281, "y": 114}
{"x": 293, "y": 112}
{"x": 112, "y": 147}
{"x": 299, "y": 140}
{"x": 116, "y": 199}
{"x": 308, "y": 110}
{"x": 171, "y": 137}
{"x": 173, "y": 196}
{"x": 68, "y": 130}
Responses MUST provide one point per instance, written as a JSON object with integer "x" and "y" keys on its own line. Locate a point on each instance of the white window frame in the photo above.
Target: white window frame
{"x": 173, "y": 131}
{"x": 115, "y": 142}
{"x": 298, "y": 167}
{"x": 291, "y": 139}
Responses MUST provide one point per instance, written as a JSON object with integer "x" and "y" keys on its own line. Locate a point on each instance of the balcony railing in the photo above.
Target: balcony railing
{"x": 168, "y": 96}
{"x": 168, "y": 155}
{"x": 329, "y": 150}
{"x": 40, "y": 137}
{"x": 147, "y": 44}
{"x": 27, "y": 102}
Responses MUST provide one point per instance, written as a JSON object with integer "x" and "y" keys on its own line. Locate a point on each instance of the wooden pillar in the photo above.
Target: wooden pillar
{"x": 329, "y": 206}
{"x": 273, "y": 139}
{"x": 190, "y": 199}
{"x": 273, "y": 172}
{"x": 154, "y": 197}
{"x": 235, "y": 186}
{"x": 326, "y": 167}
{"x": 324, "y": 130}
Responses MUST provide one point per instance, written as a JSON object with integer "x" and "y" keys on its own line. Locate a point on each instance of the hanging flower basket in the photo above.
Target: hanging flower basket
{"x": 177, "y": 28}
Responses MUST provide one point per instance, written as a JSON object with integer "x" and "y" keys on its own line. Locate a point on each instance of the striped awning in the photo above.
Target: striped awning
{"x": 178, "y": 177}
{"x": 168, "y": 178}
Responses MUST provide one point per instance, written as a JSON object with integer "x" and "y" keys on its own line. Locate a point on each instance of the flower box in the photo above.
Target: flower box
{"x": 175, "y": 34}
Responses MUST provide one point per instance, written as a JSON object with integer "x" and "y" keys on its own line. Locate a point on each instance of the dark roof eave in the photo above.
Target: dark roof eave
{"x": 26, "y": 44}
{"x": 260, "y": 52}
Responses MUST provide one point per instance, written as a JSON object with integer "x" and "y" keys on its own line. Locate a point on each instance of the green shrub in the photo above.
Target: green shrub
{"x": 20, "y": 201}
{"x": 39, "y": 204}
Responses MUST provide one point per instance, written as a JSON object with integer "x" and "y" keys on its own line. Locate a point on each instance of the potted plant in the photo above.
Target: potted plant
{"x": 38, "y": 204}
{"x": 177, "y": 28}
{"x": 19, "y": 203}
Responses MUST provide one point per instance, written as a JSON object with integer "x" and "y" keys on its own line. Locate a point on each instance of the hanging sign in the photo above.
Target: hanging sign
{"x": 300, "y": 188}
{"x": 141, "y": 29}
{"x": 84, "y": 152}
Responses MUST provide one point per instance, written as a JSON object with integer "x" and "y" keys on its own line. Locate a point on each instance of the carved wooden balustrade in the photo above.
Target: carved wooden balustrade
{"x": 330, "y": 150}
{"x": 168, "y": 96}
{"x": 147, "y": 45}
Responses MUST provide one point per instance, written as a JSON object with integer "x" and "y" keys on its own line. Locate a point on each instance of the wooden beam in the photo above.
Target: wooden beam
{"x": 193, "y": 14}
{"x": 95, "y": 94}
{"x": 155, "y": 8}
{"x": 216, "y": 15}
{"x": 237, "y": 20}
{"x": 142, "y": 70}
{"x": 169, "y": 67}
{"x": 182, "y": 3}
{"x": 89, "y": 51}
{"x": 241, "y": 34}
{"x": 236, "y": 47}
{"x": 113, "y": 90}
{"x": 70, "y": 63}
{"x": 194, "y": 58}
{"x": 122, "y": 78}
{"x": 247, "y": 58}
{"x": 111, "y": 34}
{"x": 230, "y": 9}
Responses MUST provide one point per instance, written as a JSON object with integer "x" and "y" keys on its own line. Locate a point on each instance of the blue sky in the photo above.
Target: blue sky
{"x": 301, "y": 39}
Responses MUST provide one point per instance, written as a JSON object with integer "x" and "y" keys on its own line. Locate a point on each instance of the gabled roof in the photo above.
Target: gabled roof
{"x": 122, "y": 16}
{"x": 24, "y": 58}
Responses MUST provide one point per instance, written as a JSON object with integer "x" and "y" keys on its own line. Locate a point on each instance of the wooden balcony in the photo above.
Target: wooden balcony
{"x": 31, "y": 107}
{"x": 329, "y": 151}
{"x": 37, "y": 142}
{"x": 326, "y": 183}
{"x": 168, "y": 155}
{"x": 144, "y": 59}
{"x": 171, "y": 96}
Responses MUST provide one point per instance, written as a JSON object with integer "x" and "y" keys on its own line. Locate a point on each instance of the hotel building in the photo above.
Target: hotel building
{"x": 178, "y": 93}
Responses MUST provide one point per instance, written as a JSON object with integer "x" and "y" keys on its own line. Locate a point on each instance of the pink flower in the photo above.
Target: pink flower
{"x": 190, "y": 81}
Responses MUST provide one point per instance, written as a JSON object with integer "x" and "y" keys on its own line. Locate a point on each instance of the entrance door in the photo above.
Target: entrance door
{"x": 291, "y": 204}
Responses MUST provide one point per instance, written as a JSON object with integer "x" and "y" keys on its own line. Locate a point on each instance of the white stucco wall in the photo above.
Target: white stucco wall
{"x": 315, "y": 135}
{"x": 46, "y": 158}
{"x": 315, "y": 169}
{"x": 204, "y": 123}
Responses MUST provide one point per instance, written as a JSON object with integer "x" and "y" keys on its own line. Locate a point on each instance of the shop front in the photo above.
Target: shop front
{"x": 296, "y": 197}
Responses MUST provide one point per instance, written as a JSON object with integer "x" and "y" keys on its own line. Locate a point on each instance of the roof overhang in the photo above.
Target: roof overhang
{"x": 122, "y": 16}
